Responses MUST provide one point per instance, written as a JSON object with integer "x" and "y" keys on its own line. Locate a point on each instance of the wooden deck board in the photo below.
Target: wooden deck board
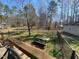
{"x": 40, "y": 54}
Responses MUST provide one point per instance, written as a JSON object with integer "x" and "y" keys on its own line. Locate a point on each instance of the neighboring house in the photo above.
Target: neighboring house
{"x": 72, "y": 27}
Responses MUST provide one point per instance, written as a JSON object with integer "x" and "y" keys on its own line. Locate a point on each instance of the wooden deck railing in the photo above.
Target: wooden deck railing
{"x": 11, "y": 54}
{"x": 31, "y": 51}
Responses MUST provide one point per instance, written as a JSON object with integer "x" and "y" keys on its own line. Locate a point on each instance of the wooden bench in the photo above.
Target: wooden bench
{"x": 40, "y": 43}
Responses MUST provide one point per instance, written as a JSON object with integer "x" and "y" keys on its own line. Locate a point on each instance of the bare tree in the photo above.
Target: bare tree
{"x": 42, "y": 14}
{"x": 51, "y": 11}
{"x": 30, "y": 14}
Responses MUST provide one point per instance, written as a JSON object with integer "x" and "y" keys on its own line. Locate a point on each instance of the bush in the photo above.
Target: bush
{"x": 56, "y": 53}
{"x": 13, "y": 25}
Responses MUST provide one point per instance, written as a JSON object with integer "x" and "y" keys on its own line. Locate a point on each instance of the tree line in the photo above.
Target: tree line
{"x": 43, "y": 18}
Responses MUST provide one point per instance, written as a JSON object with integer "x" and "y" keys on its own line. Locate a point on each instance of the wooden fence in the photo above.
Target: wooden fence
{"x": 65, "y": 48}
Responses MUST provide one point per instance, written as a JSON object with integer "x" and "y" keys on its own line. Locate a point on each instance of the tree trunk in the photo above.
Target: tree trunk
{"x": 29, "y": 30}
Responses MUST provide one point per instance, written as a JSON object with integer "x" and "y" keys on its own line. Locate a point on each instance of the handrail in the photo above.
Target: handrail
{"x": 16, "y": 44}
{"x": 31, "y": 51}
{"x": 4, "y": 54}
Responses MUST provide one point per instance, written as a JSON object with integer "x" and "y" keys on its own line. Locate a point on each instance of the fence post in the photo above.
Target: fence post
{"x": 73, "y": 55}
{"x": 60, "y": 39}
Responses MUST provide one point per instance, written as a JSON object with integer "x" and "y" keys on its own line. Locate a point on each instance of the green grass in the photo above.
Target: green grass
{"x": 49, "y": 46}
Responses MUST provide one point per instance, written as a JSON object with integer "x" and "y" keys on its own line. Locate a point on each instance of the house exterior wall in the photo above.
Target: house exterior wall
{"x": 73, "y": 29}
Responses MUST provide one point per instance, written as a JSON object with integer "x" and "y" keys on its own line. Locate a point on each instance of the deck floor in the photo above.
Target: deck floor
{"x": 2, "y": 51}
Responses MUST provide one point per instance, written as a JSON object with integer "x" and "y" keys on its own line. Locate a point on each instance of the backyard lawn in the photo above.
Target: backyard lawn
{"x": 49, "y": 36}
